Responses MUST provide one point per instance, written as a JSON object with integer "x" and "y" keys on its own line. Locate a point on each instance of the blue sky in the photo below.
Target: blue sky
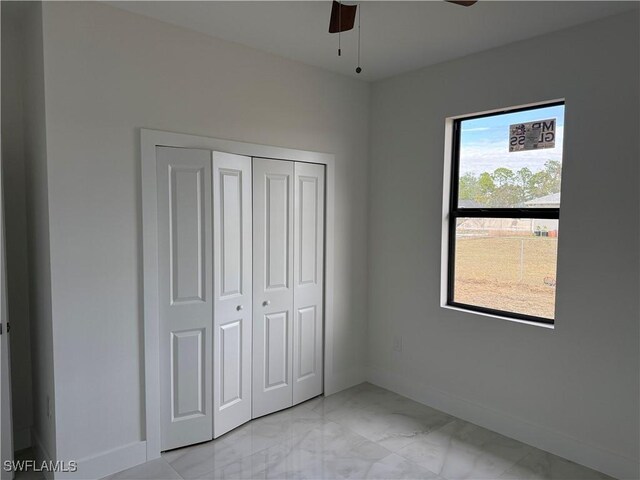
{"x": 484, "y": 142}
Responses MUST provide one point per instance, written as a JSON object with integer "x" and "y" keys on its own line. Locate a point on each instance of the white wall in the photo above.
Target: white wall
{"x": 108, "y": 73}
{"x": 572, "y": 390}
{"x": 37, "y": 202}
{"x": 15, "y": 216}
{"x": 25, "y": 183}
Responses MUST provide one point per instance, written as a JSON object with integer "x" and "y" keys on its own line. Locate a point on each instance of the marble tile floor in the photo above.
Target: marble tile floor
{"x": 365, "y": 432}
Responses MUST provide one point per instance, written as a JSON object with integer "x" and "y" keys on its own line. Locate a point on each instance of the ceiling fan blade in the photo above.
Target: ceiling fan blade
{"x": 464, "y": 3}
{"x": 343, "y": 17}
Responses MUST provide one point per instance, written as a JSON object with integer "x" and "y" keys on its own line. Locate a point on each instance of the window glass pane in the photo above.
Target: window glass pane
{"x": 507, "y": 264}
{"x": 512, "y": 160}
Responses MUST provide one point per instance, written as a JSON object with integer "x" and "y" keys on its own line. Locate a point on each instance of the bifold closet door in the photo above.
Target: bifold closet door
{"x": 308, "y": 279}
{"x": 232, "y": 244}
{"x": 272, "y": 285}
{"x": 185, "y": 295}
{"x": 288, "y": 283}
{"x": 240, "y": 291}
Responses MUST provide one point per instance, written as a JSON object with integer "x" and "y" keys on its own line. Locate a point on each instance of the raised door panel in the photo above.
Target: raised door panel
{"x": 232, "y": 291}
{"x": 272, "y": 285}
{"x": 187, "y": 374}
{"x": 230, "y": 232}
{"x": 186, "y": 306}
{"x": 230, "y": 363}
{"x": 308, "y": 281}
{"x": 276, "y": 346}
{"x": 186, "y": 233}
{"x": 307, "y": 338}
{"x": 307, "y": 229}
{"x": 276, "y": 227}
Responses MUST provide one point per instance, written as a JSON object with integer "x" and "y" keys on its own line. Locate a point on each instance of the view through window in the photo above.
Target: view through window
{"x": 504, "y": 215}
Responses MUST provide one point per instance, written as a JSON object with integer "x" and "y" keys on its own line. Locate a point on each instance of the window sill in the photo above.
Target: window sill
{"x": 500, "y": 317}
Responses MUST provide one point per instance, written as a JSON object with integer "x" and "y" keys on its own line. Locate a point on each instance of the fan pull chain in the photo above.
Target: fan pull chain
{"x": 339, "y": 27}
{"x": 358, "y": 69}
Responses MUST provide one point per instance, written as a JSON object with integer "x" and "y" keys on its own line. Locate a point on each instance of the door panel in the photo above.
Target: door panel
{"x": 276, "y": 349}
{"x": 186, "y": 235}
{"x": 308, "y": 281}
{"x": 307, "y": 323}
{"x": 277, "y": 221}
{"x": 232, "y": 291}
{"x": 185, "y": 306}
{"x": 272, "y": 285}
{"x": 230, "y": 364}
{"x": 187, "y": 364}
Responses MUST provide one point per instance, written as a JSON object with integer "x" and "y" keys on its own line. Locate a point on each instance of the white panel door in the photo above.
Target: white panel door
{"x": 185, "y": 293}
{"x": 232, "y": 244}
{"x": 308, "y": 280}
{"x": 272, "y": 285}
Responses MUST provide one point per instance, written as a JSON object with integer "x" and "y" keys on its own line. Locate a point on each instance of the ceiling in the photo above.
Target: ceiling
{"x": 396, "y": 36}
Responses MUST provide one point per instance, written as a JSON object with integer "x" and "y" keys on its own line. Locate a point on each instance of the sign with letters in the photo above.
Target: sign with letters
{"x": 532, "y": 135}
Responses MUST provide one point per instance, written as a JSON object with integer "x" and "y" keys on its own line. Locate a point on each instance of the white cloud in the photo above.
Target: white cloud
{"x": 476, "y": 129}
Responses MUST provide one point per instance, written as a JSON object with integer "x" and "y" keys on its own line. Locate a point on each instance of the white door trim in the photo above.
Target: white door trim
{"x": 149, "y": 140}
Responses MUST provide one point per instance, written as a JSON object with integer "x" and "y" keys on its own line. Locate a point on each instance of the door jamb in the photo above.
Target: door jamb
{"x": 149, "y": 140}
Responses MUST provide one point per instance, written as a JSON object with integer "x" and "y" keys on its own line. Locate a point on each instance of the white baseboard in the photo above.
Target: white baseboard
{"x": 22, "y": 439}
{"x": 538, "y": 436}
{"x": 106, "y": 463}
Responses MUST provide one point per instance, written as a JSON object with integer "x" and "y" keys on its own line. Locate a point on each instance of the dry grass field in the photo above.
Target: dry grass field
{"x": 515, "y": 274}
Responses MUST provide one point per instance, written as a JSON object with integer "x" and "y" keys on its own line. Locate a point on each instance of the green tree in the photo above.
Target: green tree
{"x": 503, "y": 177}
{"x": 506, "y": 192}
{"x": 468, "y": 188}
{"x": 505, "y": 188}
{"x": 546, "y": 181}
{"x": 553, "y": 169}
{"x": 486, "y": 187}
{"x": 523, "y": 177}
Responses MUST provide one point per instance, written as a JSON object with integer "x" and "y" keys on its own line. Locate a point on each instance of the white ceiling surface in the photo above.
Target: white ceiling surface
{"x": 396, "y": 36}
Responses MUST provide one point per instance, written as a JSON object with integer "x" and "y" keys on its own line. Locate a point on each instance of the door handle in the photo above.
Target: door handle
{"x": 239, "y": 307}
{"x": 266, "y": 303}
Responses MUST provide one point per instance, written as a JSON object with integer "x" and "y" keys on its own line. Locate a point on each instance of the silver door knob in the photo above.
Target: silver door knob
{"x": 239, "y": 307}
{"x": 266, "y": 303}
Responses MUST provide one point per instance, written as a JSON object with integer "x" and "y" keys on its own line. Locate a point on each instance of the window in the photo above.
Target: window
{"x": 504, "y": 212}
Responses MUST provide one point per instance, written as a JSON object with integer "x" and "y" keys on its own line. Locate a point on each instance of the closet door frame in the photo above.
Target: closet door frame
{"x": 149, "y": 141}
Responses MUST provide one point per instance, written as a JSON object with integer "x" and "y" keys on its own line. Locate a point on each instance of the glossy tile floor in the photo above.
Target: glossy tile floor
{"x": 363, "y": 432}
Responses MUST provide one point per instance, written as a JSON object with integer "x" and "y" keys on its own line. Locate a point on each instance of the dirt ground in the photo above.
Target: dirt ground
{"x": 515, "y": 274}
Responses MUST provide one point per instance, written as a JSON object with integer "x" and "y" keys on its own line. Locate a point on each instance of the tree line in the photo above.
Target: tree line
{"x": 504, "y": 187}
